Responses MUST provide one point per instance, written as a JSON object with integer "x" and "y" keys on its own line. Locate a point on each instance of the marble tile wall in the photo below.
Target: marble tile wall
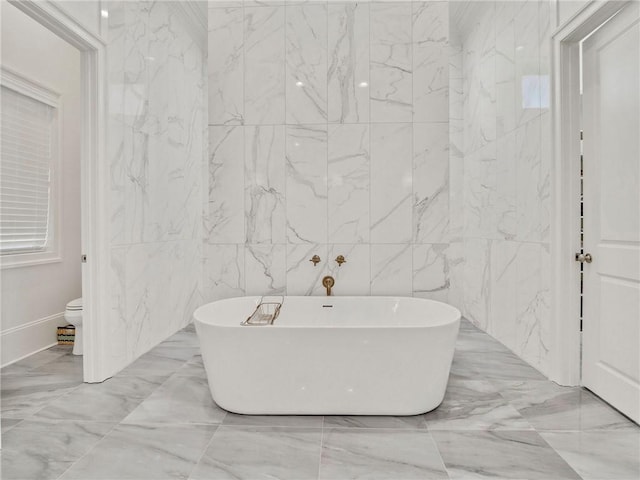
{"x": 501, "y": 269}
{"x": 156, "y": 149}
{"x": 328, "y": 135}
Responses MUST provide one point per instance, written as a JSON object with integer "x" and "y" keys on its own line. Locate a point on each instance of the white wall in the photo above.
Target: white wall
{"x": 353, "y": 160}
{"x": 34, "y": 297}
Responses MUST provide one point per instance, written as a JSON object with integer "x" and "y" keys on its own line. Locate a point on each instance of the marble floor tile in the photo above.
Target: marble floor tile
{"x": 24, "y": 395}
{"x": 193, "y": 368}
{"x": 499, "y": 366}
{"x": 180, "y": 399}
{"x": 167, "y": 419}
{"x": 9, "y": 423}
{"x": 35, "y": 471}
{"x": 160, "y": 361}
{"x": 175, "y": 352}
{"x": 186, "y": 337}
{"x": 144, "y": 452}
{"x": 474, "y": 405}
{"x": 109, "y": 401}
{"x": 38, "y": 449}
{"x": 548, "y": 406}
{"x": 190, "y": 328}
{"x": 467, "y": 327}
{"x": 308, "y": 421}
{"x": 261, "y": 453}
{"x": 478, "y": 343}
{"x": 65, "y": 364}
{"x": 371, "y": 421}
{"x": 611, "y": 455}
{"x": 500, "y": 454}
{"x": 462, "y": 369}
{"x": 36, "y": 360}
{"x": 379, "y": 454}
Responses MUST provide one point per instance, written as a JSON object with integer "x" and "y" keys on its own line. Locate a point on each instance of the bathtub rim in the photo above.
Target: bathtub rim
{"x": 455, "y": 314}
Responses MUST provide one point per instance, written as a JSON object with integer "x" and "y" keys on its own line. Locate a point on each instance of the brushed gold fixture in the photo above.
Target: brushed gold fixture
{"x": 340, "y": 259}
{"x": 315, "y": 259}
{"x": 328, "y": 282}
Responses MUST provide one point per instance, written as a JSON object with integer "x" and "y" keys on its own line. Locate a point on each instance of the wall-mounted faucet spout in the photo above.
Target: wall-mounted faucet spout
{"x": 328, "y": 282}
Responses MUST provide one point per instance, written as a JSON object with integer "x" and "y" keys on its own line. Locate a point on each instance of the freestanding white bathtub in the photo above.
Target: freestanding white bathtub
{"x": 329, "y": 355}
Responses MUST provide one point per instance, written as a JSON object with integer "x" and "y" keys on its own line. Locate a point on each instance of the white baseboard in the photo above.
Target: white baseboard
{"x": 24, "y": 340}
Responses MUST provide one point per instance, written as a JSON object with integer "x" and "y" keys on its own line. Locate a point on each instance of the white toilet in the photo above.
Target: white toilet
{"x": 73, "y": 315}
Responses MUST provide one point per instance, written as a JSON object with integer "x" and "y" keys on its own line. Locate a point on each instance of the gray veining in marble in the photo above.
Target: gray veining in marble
{"x": 378, "y": 454}
{"x": 45, "y": 448}
{"x": 474, "y": 405}
{"x": 548, "y": 406}
{"x": 144, "y": 452}
{"x": 264, "y": 184}
{"x": 502, "y": 454}
{"x": 274, "y": 452}
{"x": 391, "y": 62}
{"x": 159, "y": 361}
{"x": 264, "y": 85}
{"x": 499, "y": 366}
{"x": 180, "y": 400}
{"x": 308, "y": 421}
{"x": 599, "y": 455}
{"x": 306, "y": 63}
{"x": 23, "y": 395}
{"x": 110, "y": 401}
{"x": 348, "y": 62}
{"x": 193, "y": 368}
{"x": 9, "y": 423}
{"x": 36, "y": 360}
{"x": 225, "y": 61}
{"x": 34, "y": 469}
{"x": 372, "y": 421}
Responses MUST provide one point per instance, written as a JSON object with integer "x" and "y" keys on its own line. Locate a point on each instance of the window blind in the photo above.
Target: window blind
{"x": 27, "y": 135}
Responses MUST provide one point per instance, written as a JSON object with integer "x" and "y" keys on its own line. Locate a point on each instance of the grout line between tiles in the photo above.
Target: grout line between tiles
{"x": 412, "y": 41}
{"x": 326, "y": 98}
{"x": 88, "y": 451}
{"x": 370, "y": 129}
{"x": 412, "y": 239}
{"x": 49, "y": 402}
{"x": 204, "y": 451}
{"x": 321, "y": 446}
{"x": 444, "y": 464}
{"x": 242, "y": 281}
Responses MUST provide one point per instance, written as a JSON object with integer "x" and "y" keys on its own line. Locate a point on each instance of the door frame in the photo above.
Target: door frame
{"x": 565, "y": 216}
{"x": 94, "y": 175}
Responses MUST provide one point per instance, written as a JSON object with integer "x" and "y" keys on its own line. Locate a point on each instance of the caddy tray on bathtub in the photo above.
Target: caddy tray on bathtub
{"x": 264, "y": 314}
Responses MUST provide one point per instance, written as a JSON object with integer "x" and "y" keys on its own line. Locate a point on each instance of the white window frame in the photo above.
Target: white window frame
{"x": 53, "y": 251}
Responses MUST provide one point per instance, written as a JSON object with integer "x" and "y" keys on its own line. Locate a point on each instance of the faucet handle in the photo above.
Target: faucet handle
{"x": 328, "y": 282}
{"x": 340, "y": 259}
{"x": 315, "y": 259}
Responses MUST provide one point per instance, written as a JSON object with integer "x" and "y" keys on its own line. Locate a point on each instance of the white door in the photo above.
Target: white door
{"x": 611, "y": 121}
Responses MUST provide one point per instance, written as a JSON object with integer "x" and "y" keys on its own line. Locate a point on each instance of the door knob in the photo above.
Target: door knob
{"x": 584, "y": 257}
